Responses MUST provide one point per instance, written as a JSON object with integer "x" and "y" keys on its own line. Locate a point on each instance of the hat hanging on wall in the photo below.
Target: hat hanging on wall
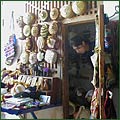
{"x": 24, "y": 57}
{"x": 50, "y": 56}
{"x": 66, "y": 11}
{"x": 20, "y": 34}
{"x": 43, "y": 15}
{"x": 28, "y": 44}
{"x": 26, "y": 30}
{"x": 53, "y": 28}
{"x": 33, "y": 58}
{"x": 40, "y": 42}
{"x": 51, "y": 42}
{"x": 20, "y": 21}
{"x": 54, "y": 13}
{"x": 40, "y": 55}
{"x": 79, "y": 7}
{"x": 29, "y": 18}
{"x": 35, "y": 30}
{"x": 44, "y": 30}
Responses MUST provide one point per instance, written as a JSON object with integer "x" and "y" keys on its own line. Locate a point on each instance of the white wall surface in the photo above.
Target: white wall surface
{"x": 109, "y": 7}
{"x": 6, "y": 8}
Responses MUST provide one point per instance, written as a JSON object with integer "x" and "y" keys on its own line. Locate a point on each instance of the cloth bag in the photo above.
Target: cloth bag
{"x": 83, "y": 113}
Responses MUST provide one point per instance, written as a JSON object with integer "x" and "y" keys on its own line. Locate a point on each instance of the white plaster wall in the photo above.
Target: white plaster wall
{"x": 6, "y": 8}
{"x": 109, "y": 7}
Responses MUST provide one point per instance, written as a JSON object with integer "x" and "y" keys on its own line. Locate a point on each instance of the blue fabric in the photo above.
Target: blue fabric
{"x": 18, "y": 112}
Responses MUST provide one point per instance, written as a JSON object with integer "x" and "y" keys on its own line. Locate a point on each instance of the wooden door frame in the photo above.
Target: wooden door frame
{"x": 65, "y": 83}
{"x": 80, "y": 20}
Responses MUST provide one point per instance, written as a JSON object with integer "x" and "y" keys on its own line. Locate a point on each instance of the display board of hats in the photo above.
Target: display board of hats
{"x": 40, "y": 52}
{"x": 40, "y": 32}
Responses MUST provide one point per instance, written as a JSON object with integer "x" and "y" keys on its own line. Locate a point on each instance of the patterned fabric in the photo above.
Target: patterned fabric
{"x": 9, "y": 49}
{"x": 109, "y": 107}
{"x": 94, "y": 104}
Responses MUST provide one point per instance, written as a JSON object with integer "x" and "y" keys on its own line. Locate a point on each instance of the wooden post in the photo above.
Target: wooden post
{"x": 65, "y": 83}
{"x": 101, "y": 60}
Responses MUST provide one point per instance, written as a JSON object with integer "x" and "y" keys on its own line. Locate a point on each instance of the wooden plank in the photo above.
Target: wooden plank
{"x": 41, "y": 6}
{"x": 48, "y": 5}
{"x": 65, "y": 83}
{"x": 79, "y": 19}
{"x": 101, "y": 61}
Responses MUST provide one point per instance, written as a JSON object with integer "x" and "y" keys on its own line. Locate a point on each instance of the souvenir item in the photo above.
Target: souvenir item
{"x": 33, "y": 83}
{"x": 94, "y": 108}
{"x": 24, "y": 57}
{"x": 28, "y": 44}
{"x": 110, "y": 77}
{"x": 44, "y": 84}
{"x": 20, "y": 34}
{"x": 26, "y": 30}
{"x": 54, "y": 13}
{"x": 50, "y": 56}
{"x": 66, "y": 11}
{"x": 53, "y": 28}
{"x": 17, "y": 89}
{"x": 94, "y": 59}
{"x": 40, "y": 42}
{"x": 46, "y": 72}
{"x": 29, "y": 18}
{"x": 28, "y": 81}
{"x": 71, "y": 108}
{"x": 83, "y": 113}
{"x": 88, "y": 95}
{"x": 33, "y": 58}
{"x": 10, "y": 49}
{"x": 44, "y": 30}
{"x": 79, "y": 7}
{"x": 40, "y": 56}
{"x": 51, "y": 42}
{"x": 24, "y": 78}
{"x": 38, "y": 83}
{"x": 43, "y": 15}
{"x": 109, "y": 108}
{"x": 35, "y": 30}
{"x": 20, "y": 22}
{"x": 3, "y": 90}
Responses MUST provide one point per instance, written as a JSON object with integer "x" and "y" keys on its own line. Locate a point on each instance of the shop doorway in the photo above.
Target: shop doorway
{"x": 78, "y": 73}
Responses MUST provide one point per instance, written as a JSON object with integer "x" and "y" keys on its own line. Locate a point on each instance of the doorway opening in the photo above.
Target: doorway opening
{"x": 79, "y": 68}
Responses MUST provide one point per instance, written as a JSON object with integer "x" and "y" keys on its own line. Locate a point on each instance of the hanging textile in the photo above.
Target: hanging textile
{"x": 10, "y": 47}
{"x": 113, "y": 26}
{"x": 95, "y": 104}
{"x": 109, "y": 107}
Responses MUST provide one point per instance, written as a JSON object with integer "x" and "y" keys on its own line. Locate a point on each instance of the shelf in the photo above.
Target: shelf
{"x": 79, "y": 19}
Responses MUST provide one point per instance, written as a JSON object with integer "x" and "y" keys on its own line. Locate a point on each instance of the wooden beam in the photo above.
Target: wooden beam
{"x": 101, "y": 60}
{"x": 65, "y": 83}
{"x": 79, "y": 19}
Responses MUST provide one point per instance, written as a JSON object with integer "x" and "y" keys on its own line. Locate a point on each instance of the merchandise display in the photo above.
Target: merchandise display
{"x": 29, "y": 18}
{"x": 50, "y": 56}
{"x": 40, "y": 42}
{"x": 35, "y": 30}
{"x": 79, "y": 7}
{"x": 43, "y": 15}
{"x": 54, "y": 58}
{"x": 26, "y": 30}
{"x": 53, "y": 28}
{"x": 54, "y": 13}
{"x": 66, "y": 11}
{"x": 44, "y": 30}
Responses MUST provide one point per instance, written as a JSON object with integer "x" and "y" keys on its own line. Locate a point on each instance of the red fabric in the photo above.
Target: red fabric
{"x": 109, "y": 107}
